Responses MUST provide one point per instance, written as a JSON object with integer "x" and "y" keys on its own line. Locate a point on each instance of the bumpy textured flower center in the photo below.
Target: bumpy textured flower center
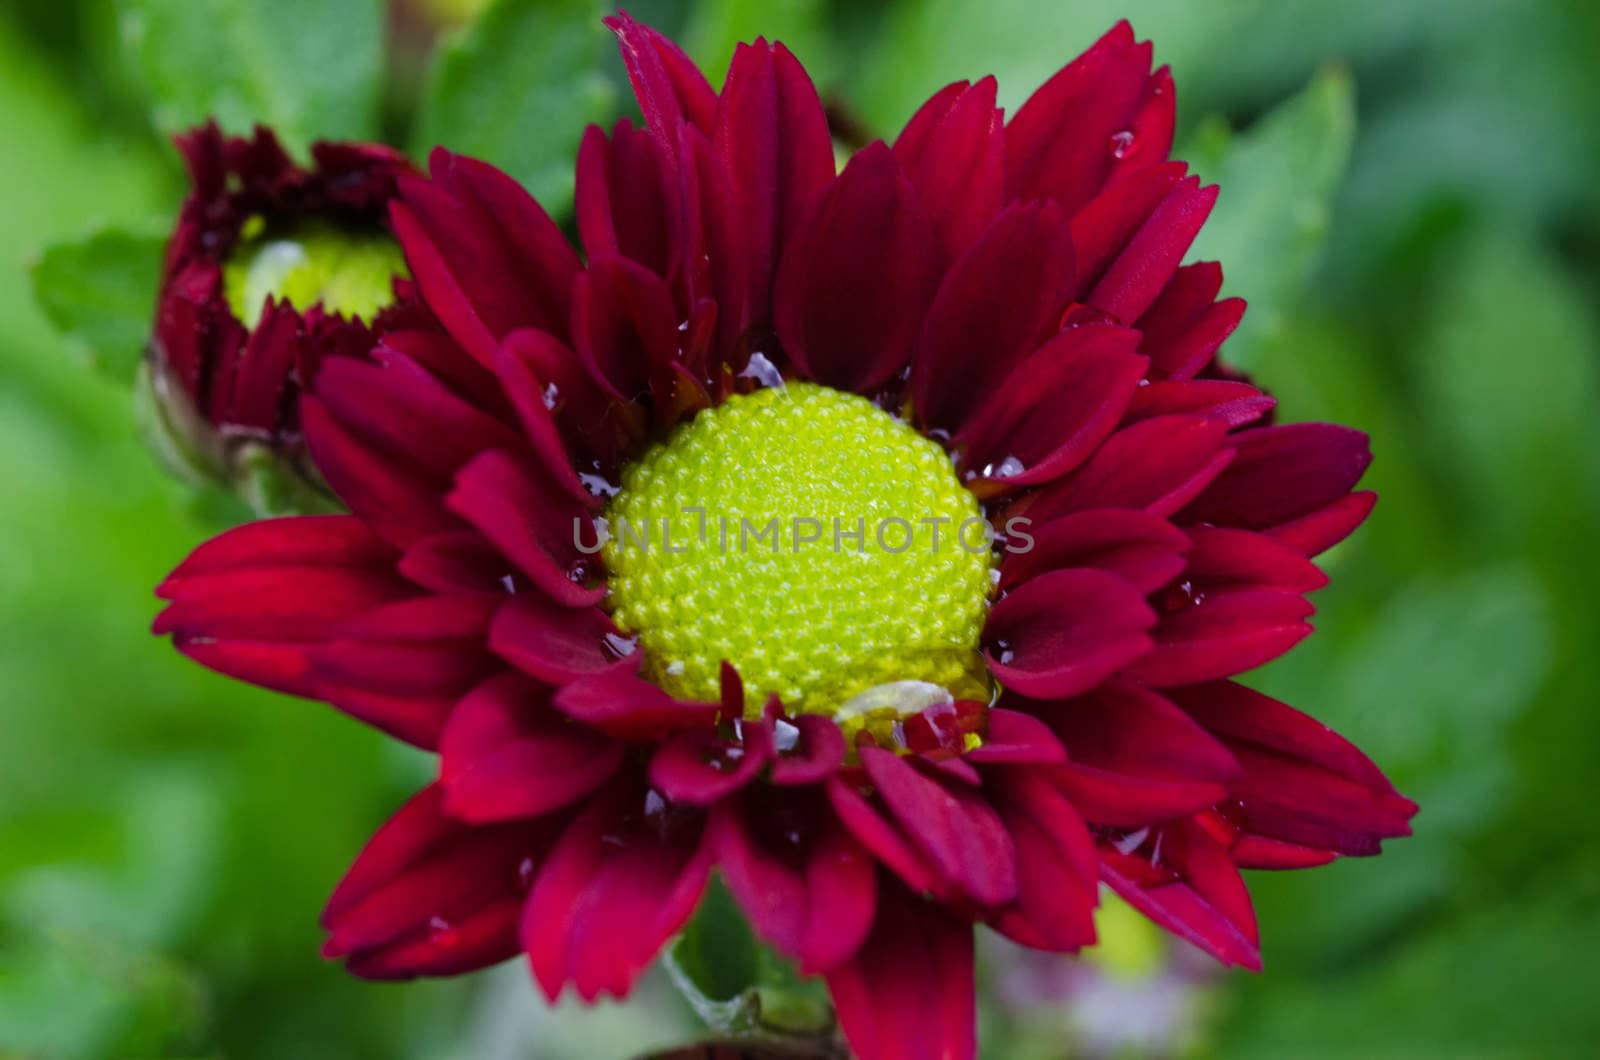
{"x": 822, "y": 547}
{"x": 350, "y": 273}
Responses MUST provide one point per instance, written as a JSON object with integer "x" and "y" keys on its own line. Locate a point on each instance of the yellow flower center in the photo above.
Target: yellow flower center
{"x": 819, "y": 545}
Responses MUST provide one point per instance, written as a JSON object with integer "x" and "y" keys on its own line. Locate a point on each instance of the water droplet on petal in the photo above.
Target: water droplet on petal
{"x": 1123, "y": 144}
{"x": 525, "y": 871}
{"x": 442, "y": 933}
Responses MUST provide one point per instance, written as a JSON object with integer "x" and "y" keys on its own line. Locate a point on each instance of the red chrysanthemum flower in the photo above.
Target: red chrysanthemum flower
{"x": 271, "y": 268}
{"x": 876, "y": 747}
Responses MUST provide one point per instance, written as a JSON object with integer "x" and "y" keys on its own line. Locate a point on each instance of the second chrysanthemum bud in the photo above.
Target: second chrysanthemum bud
{"x": 272, "y": 268}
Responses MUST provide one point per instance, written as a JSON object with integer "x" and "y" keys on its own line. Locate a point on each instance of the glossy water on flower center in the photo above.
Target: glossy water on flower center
{"x": 819, "y": 545}
{"x": 350, "y": 273}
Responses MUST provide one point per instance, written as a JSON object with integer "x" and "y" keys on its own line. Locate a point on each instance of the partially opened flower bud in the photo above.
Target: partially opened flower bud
{"x": 272, "y": 268}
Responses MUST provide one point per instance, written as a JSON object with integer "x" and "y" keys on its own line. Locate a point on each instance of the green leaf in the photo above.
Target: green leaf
{"x": 309, "y": 69}
{"x": 100, "y": 293}
{"x": 1278, "y": 179}
{"x": 517, "y": 89}
{"x": 717, "y": 954}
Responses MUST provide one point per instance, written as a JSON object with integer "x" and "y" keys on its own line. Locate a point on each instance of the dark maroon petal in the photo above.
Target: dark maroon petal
{"x": 487, "y": 258}
{"x": 1158, "y": 465}
{"x": 668, "y": 85}
{"x": 430, "y": 896}
{"x": 459, "y": 561}
{"x": 773, "y": 138}
{"x": 1236, "y": 404}
{"x": 1223, "y": 557}
{"x": 1142, "y": 549}
{"x": 951, "y": 824}
{"x": 403, "y": 666}
{"x": 953, "y": 152}
{"x": 1283, "y": 473}
{"x": 886, "y": 842}
{"x": 399, "y": 410}
{"x": 1180, "y": 878}
{"x": 555, "y": 643}
{"x": 1301, "y": 782}
{"x": 1138, "y": 273}
{"x": 395, "y": 500}
{"x": 1060, "y": 143}
{"x": 1016, "y": 739}
{"x": 1185, "y": 325}
{"x": 1258, "y": 852}
{"x": 533, "y": 524}
{"x": 1064, "y": 632}
{"x": 996, "y": 304}
{"x": 1148, "y": 137}
{"x": 251, "y": 602}
{"x": 811, "y": 895}
{"x": 1222, "y": 633}
{"x": 621, "y": 880}
{"x": 1135, "y": 758}
{"x": 447, "y": 361}
{"x": 1319, "y": 531}
{"x": 506, "y": 755}
{"x": 1104, "y": 227}
{"x": 257, "y": 385}
{"x": 304, "y": 540}
{"x": 817, "y": 754}
{"x": 1057, "y": 868}
{"x": 1054, "y": 409}
{"x": 701, "y": 768}
{"x": 909, "y": 992}
{"x": 591, "y": 422}
{"x": 620, "y": 703}
{"x": 533, "y": 398}
{"x": 856, "y": 277}
{"x": 623, "y": 324}
{"x": 618, "y": 203}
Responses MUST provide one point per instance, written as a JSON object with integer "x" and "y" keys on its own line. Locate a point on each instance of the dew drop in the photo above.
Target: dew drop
{"x": 442, "y": 933}
{"x": 525, "y": 870}
{"x": 762, "y": 371}
{"x": 1123, "y": 144}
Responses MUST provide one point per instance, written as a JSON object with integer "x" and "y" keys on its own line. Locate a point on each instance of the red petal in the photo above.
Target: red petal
{"x": 1054, "y": 409}
{"x": 1223, "y": 557}
{"x": 1059, "y": 145}
{"x": 1223, "y": 633}
{"x": 772, "y": 136}
{"x": 1136, "y": 759}
{"x": 554, "y": 643}
{"x": 886, "y": 842}
{"x": 617, "y": 702}
{"x": 1236, "y": 404}
{"x": 995, "y": 305}
{"x": 952, "y": 825}
{"x": 1301, "y": 782}
{"x": 953, "y": 152}
{"x": 623, "y": 325}
{"x": 818, "y": 754}
{"x": 1135, "y": 278}
{"x": 909, "y": 992}
{"x": 1142, "y": 549}
{"x": 1057, "y": 868}
{"x": 619, "y": 204}
{"x": 1014, "y": 738}
{"x": 700, "y": 768}
{"x": 622, "y": 879}
{"x": 1066, "y": 631}
{"x": 1319, "y": 531}
{"x": 506, "y": 755}
{"x": 1283, "y": 473}
{"x": 856, "y": 277}
{"x": 1158, "y": 465}
{"x": 811, "y": 893}
{"x": 430, "y": 896}
{"x": 530, "y": 521}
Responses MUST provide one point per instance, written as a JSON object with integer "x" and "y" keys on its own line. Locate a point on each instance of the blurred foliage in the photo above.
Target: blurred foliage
{"x": 1409, "y": 203}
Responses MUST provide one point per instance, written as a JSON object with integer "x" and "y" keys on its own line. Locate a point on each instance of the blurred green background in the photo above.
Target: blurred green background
{"x": 1409, "y": 203}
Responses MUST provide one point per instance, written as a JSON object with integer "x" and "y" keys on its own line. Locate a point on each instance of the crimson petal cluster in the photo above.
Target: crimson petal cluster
{"x": 244, "y": 377}
{"x": 1018, "y": 288}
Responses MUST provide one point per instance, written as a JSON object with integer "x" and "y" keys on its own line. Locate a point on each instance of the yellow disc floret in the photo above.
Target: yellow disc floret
{"x": 804, "y": 535}
{"x": 350, "y": 273}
